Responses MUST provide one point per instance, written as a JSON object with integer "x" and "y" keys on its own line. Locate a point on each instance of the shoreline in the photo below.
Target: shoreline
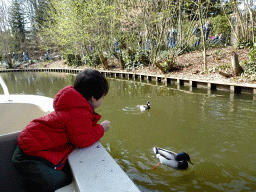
{"x": 196, "y": 75}
{"x": 161, "y": 80}
{"x": 187, "y": 66}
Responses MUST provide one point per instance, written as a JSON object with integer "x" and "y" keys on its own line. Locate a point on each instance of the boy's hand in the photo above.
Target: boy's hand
{"x": 105, "y": 124}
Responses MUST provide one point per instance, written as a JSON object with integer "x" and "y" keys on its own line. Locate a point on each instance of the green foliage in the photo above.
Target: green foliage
{"x": 41, "y": 15}
{"x": 217, "y": 52}
{"x": 142, "y": 57}
{"x": 78, "y": 61}
{"x": 73, "y": 60}
{"x": 17, "y": 23}
{"x": 243, "y": 43}
{"x": 249, "y": 68}
{"x": 167, "y": 61}
{"x": 92, "y": 60}
{"x": 252, "y": 55}
{"x": 70, "y": 58}
{"x": 220, "y": 25}
{"x": 250, "y": 65}
{"x": 74, "y": 25}
{"x": 135, "y": 58}
{"x": 184, "y": 48}
{"x": 223, "y": 67}
{"x": 129, "y": 58}
{"x": 212, "y": 7}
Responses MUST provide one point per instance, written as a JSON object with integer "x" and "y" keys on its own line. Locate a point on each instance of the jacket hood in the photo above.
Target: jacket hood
{"x": 69, "y": 98}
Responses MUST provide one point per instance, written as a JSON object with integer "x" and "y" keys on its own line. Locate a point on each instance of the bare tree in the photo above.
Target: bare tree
{"x": 200, "y": 14}
{"x": 248, "y": 7}
{"x": 5, "y": 36}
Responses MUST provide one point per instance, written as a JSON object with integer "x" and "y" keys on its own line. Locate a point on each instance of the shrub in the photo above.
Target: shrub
{"x": 169, "y": 62}
{"x": 129, "y": 57}
{"x": 182, "y": 49}
{"x": 70, "y": 59}
{"x": 249, "y": 68}
{"x": 142, "y": 57}
{"x": 243, "y": 43}
{"x": 92, "y": 60}
{"x": 220, "y": 25}
{"x": 250, "y": 65}
{"x": 77, "y": 62}
{"x": 135, "y": 58}
{"x": 73, "y": 60}
{"x": 252, "y": 55}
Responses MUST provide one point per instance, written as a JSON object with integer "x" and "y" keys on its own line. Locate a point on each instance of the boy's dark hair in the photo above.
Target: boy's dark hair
{"x": 90, "y": 83}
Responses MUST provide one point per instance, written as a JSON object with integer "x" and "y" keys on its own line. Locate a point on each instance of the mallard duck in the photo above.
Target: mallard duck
{"x": 174, "y": 160}
{"x": 145, "y": 107}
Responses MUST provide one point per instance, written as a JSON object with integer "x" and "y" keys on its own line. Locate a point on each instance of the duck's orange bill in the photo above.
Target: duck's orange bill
{"x": 156, "y": 165}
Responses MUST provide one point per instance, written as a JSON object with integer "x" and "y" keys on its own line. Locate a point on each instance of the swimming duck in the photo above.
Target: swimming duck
{"x": 145, "y": 107}
{"x": 174, "y": 160}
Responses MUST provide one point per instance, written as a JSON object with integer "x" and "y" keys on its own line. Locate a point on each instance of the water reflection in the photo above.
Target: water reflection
{"x": 218, "y": 132}
{"x": 36, "y": 83}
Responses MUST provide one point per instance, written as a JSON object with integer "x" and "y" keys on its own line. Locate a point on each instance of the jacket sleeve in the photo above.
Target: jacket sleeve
{"x": 81, "y": 130}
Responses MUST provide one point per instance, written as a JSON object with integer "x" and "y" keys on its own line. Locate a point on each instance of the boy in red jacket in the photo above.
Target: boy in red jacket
{"x": 45, "y": 144}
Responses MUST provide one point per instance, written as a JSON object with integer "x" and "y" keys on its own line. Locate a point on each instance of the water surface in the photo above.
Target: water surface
{"x": 216, "y": 130}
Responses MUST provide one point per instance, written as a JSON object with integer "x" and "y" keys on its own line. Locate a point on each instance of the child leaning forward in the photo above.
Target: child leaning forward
{"x": 45, "y": 144}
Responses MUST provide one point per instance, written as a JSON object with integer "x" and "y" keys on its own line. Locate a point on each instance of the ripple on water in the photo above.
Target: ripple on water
{"x": 248, "y": 177}
{"x": 134, "y": 110}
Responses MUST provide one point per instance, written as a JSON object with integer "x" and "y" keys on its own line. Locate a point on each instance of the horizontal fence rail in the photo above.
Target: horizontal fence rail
{"x": 234, "y": 88}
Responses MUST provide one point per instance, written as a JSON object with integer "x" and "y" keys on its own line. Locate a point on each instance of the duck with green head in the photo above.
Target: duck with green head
{"x": 172, "y": 159}
{"x": 145, "y": 107}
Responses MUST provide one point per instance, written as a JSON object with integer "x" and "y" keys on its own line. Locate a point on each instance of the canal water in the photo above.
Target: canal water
{"x": 217, "y": 131}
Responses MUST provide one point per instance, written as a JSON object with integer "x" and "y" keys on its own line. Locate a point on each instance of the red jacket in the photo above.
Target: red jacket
{"x": 54, "y": 136}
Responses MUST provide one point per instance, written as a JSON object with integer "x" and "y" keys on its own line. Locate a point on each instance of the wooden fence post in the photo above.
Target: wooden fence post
{"x": 237, "y": 69}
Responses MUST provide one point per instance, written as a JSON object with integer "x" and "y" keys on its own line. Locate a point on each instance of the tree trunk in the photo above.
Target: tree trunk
{"x": 180, "y": 30}
{"x": 202, "y": 34}
{"x": 252, "y": 22}
{"x": 104, "y": 61}
{"x": 237, "y": 69}
{"x": 120, "y": 59}
{"x": 239, "y": 17}
{"x": 9, "y": 60}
